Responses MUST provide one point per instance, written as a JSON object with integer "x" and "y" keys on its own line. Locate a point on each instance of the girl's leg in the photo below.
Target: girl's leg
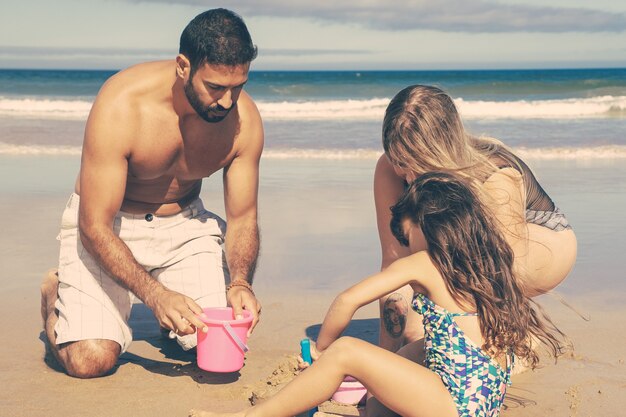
{"x": 405, "y": 387}
{"x": 413, "y": 352}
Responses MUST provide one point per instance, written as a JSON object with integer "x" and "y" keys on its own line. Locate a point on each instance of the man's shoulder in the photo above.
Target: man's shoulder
{"x": 143, "y": 70}
{"x": 133, "y": 91}
{"x": 249, "y": 126}
{"x": 248, "y": 110}
{"x": 136, "y": 82}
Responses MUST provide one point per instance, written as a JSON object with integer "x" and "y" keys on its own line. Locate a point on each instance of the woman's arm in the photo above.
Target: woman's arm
{"x": 388, "y": 187}
{"x": 397, "y": 322}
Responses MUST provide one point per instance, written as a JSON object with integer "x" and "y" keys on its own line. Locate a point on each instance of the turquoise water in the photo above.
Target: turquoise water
{"x": 329, "y": 114}
{"x": 501, "y": 85}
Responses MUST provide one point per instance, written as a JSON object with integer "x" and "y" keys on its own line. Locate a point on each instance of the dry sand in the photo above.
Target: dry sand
{"x": 155, "y": 378}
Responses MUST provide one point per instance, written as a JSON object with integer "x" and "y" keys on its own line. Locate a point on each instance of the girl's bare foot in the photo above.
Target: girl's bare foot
{"x": 200, "y": 413}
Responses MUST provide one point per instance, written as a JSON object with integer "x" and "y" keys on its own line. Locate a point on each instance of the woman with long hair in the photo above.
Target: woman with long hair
{"x": 423, "y": 132}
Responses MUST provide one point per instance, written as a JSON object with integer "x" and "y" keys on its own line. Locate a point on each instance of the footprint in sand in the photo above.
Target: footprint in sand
{"x": 573, "y": 397}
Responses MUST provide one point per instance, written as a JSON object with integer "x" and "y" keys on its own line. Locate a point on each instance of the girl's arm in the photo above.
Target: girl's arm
{"x": 416, "y": 270}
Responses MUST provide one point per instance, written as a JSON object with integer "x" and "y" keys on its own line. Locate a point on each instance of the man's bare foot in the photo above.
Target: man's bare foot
{"x": 49, "y": 293}
{"x": 49, "y": 296}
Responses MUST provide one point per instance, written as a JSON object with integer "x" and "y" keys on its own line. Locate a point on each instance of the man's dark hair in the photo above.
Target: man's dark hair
{"x": 217, "y": 37}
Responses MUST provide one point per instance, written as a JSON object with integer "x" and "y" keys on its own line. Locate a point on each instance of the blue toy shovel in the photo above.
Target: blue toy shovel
{"x": 305, "y": 351}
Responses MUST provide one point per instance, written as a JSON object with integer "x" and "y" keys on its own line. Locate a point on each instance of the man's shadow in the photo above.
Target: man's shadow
{"x": 146, "y": 328}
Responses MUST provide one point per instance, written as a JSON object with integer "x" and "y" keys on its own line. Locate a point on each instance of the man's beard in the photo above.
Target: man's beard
{"x": 211, "y": 114}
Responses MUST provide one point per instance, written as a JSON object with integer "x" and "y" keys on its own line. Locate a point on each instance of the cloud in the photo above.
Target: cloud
{"x": 15, "y": 52}
{"x": 115, "y": 58}
{"x": 29, "y": 51}
{"x": 473, "y": 16}
{"x": 315, "y": 52}
{"x": 79, "y": 58}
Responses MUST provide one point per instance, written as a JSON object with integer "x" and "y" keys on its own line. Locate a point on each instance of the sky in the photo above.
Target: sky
{"x": 323, "y": 34}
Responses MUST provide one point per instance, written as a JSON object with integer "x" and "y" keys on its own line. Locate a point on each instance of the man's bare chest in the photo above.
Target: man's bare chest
{"x": 167, "y": 153}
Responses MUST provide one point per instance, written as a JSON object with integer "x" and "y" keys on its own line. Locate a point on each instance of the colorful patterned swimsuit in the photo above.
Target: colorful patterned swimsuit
{"x": 476, "y": 381}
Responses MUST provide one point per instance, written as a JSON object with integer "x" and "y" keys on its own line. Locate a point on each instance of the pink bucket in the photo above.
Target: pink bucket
{"x": 350, "y": 392}
{"x": 222, "y": 347}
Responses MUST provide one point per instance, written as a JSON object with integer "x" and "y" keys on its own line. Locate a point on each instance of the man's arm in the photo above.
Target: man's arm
{"x": 241, "y": 183}
{"x": 104, "y": 165}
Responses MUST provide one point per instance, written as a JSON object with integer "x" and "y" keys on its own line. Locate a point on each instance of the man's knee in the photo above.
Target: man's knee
{"x": 90, "y": 358}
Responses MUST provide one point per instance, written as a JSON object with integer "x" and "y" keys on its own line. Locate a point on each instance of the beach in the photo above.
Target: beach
{"x": 317, "y": 222}
{"x": 317, "y": 240}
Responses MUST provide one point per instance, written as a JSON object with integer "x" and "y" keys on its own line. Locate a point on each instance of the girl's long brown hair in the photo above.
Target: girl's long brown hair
{"x": 476, "y": 263}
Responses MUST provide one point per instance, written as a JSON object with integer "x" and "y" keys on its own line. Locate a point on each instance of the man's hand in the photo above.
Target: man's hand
{"x": 177, "y": 312}
{"x": 242, "y": 298}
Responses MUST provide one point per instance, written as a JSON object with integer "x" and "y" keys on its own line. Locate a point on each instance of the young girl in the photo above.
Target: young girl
{"x": 476, "y": 316}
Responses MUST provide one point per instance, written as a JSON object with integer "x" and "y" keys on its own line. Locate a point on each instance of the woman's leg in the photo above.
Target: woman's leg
{"x": 402, "y": 385}
{"x": 399, "y": 323}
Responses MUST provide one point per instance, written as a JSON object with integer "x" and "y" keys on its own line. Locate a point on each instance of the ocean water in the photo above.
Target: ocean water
{"x": 322, "y": 139}
{"x": 545, "y": 113}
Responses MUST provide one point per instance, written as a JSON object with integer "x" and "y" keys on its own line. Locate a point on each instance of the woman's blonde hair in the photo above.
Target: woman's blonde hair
{"x": 423, "y": 132}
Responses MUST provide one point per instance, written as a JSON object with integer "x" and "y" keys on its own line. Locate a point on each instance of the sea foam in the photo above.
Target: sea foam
{"x": 370, "y": 109}
{"x": 44, "y": 108}
{"x": 543, "y": 153}
{"x": 592, "y": 107}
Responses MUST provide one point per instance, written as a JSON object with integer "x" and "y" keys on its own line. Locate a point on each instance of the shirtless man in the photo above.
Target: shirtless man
{"x": 139, "y": 228}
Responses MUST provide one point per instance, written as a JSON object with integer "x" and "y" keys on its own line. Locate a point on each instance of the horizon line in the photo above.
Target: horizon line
{"x": 454, "y": 68}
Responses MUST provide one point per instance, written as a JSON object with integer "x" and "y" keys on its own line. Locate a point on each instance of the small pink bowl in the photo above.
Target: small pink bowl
{"x": 350, "y": 392}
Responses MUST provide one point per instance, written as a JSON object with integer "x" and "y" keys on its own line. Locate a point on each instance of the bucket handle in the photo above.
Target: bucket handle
{"x": 244, "y": 348}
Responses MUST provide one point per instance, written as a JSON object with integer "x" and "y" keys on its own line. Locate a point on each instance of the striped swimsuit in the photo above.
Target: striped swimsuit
{"x": 476, "y": 381}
